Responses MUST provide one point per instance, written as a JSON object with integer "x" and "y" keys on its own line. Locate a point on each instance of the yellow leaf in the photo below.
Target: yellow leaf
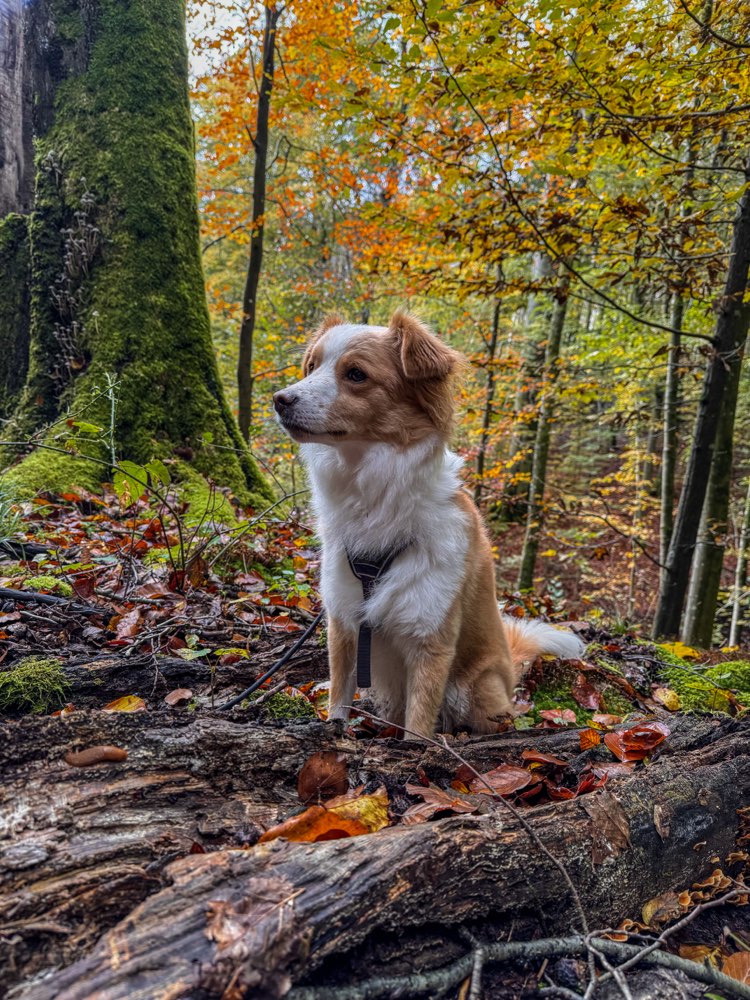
{"x": 128, "y": 703}
{"x": 342, "y": 817}
{"x": 681, "y": 650}
{"x": 668, "y": 698}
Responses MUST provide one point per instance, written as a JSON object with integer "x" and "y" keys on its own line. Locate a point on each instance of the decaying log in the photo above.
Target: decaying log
{"x": 96, "y": 869}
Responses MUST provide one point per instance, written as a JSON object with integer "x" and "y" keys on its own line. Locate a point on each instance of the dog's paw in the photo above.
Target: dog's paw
{"x": 337, "y": 726}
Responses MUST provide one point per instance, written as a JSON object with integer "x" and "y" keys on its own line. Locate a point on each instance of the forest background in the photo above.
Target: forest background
{"x": 555, "y": 189}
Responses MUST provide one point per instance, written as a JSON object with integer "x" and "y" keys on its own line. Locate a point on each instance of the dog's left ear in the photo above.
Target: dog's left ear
{"x": 423, "y": 355}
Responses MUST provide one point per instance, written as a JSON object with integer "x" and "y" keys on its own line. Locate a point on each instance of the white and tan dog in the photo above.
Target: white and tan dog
{"x": 374, "y": 412}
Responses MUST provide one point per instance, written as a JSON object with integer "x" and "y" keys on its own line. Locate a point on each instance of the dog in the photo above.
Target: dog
{"x": 373, "y": 414}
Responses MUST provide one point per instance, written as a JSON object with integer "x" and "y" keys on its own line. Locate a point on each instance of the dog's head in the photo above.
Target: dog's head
{"x": 371, "y": 383}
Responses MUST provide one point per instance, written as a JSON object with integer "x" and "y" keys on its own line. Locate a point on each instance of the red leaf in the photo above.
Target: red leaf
{"x": 585, "y": 693}
{"x": 537, "y": 757}
{"x": 636, "y": 742}
{"x": 503, "y": 780}
{"x": 559, "y": 716}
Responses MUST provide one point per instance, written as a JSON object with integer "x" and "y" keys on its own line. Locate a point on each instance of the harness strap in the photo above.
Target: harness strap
{"x": 368, "y": 571}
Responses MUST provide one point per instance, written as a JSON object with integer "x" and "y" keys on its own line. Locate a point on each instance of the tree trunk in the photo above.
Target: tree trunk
{"x": 489, "y": 396}
{"x": 670, "y": 428}
{"x": 516, "y": 492}
{"x": 16, "y": 147}
{"x": 708, "y": 561}
{"x": 101, "y": 874}
{"x": 729, "y": 339}
{"x": 740, "y": 575}
{"x": 14, "y": 309}
{"x": 535, "y": 515}
{"x": 250, "y": 295}
{"x": 116, "y": 281}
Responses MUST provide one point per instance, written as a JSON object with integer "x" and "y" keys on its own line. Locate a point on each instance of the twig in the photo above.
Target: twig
{"x": 27, "y": 597}
{"x": 451, "y": 975}
{"x": 270, "y": 692}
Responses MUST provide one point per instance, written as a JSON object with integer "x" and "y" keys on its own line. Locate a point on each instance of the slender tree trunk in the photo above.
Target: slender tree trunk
{"x": 535, "y": 516}
{"x": 516, "y": 492}
{"x": 705, "y": 578}
{"x": 740, "y": 574}
{"x": 729, "y": 339}
{"x": 255, "y": 262}
{"x": 670, "y": 427}
{"x": 489, "y": 395}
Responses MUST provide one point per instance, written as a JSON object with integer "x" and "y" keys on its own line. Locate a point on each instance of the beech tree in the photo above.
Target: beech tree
{"x": 119, "y": 348}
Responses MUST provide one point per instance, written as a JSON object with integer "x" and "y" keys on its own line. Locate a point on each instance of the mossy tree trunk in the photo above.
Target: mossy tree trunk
{"x": 116, "y": 282}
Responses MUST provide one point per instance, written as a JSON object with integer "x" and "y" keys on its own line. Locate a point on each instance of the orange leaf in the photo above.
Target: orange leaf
{"x": 350, "y": 818}
{"x": 589, "y": 738}
{"x": 537, "y": 757}
{"x": 323, "y": 775}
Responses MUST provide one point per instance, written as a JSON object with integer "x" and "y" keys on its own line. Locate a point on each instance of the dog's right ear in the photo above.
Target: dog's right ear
{"x": 329, "y": 321}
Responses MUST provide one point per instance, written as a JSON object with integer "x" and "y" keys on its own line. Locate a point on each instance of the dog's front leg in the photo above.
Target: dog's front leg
{"x": 428, "y": 668}
{"x": 342, "y": 654}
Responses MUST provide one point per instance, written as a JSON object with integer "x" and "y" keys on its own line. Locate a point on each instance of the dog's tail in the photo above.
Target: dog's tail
{"x": 528, "y": 638}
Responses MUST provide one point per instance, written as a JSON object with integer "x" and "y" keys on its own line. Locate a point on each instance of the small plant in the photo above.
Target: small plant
{"x": 35, "y": 684}
{"x": 11, "y": 520}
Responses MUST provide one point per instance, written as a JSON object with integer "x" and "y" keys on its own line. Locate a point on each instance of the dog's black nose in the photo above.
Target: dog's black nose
{"x": 284, "y": 400}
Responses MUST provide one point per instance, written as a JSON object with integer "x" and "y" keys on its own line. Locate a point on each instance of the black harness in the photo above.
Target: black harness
{"x": 368, "y": 570}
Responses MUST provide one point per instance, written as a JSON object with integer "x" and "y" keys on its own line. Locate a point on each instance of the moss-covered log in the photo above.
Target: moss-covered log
{"x": 116, "y": 280}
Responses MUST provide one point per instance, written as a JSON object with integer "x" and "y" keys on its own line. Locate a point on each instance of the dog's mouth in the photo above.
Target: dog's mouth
{"x": 300, "y": 433}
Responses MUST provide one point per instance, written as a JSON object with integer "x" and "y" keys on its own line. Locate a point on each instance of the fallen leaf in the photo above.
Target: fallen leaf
{"x": 612, "y": 769}
{"x": 559, "y": 716}
{"x": 661, "y": 910}
{"x": 668, "y": 698}
{"x": 350, "y": 818}
{"x": 603, "y": 719}
{"x": 65, "y": 710}
{"x": 128, "y": 703}
{"x": 537, "y": 757}
{"x": 637, "y": 741}
{"x": 179, "y": 696}
{"x": 435, "y": 803}
{"x": 503, "y": 780}
{"x": 701, "y": 953}
{"x": 324, "y": 775}
{"x": 737, "y": 966}
{"x": 585, "y": 693}
{"x": 588, "y": 738}
{"x": 681, "y": 650}
{"x": 610, "y": 826}
{"x": 129, "y": 625}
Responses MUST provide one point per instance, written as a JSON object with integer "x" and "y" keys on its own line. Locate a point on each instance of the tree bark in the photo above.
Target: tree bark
{"x": 255, "y": 262}
{"x": 740, "y": 574}
{"x": 729, "y": 340}
{"x": 489, "y": 396}
{"x": 106, "y": 851}
{"x": 708, "y": 560}
{"x": 116, "y": 286}
{"x": 16, "y": 148}
{"x": 535, "y": 514}
{"x": 670, "y": 428}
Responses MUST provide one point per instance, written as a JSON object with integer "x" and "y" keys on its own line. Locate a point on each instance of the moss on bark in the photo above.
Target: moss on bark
{"x": 117, "y": 283}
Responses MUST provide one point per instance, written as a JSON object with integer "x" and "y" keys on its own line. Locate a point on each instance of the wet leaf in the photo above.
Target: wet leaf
{"x": 128, "y": 703}
{"x": 637, "y": 741}
{"x": 436, "y": 802}
{"x": 537, "y": 757}
{"x": 350, "y": 818}
{"x": 559, "y": 716}
{"x": 667, "y": 697}
{"x": 503, "y": 780}
{"x": 589, "y": 738}
{"x": 661, "y": 910}
{"x": 324, "y": 775}
{"x": 584, "y": 692}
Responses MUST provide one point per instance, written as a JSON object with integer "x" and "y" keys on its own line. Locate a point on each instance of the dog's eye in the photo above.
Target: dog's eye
{"x": 356, "y": 375}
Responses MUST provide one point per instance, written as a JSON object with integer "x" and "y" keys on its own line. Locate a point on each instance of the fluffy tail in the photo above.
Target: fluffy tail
{"x": 528, "y": 637}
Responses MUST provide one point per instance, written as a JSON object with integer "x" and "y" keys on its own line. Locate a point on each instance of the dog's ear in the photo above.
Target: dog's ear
{"x": 423, "y": 355}
{"x": 329, "y": 321}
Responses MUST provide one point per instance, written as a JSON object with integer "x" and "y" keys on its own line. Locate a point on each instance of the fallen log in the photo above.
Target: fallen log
{"x": 97, "y": 874}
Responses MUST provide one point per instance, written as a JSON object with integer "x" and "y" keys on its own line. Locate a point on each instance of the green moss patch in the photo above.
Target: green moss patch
{"x": 51, "y": 584}
{"x": 35, "y": 684}
{"x": 286, "y": 706}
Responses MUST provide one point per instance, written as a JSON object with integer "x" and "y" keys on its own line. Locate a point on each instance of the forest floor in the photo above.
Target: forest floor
{"x": 123, "y": 633}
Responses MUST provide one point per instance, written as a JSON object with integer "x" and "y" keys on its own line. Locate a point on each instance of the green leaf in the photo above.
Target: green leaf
{"x": 158, "y": 472}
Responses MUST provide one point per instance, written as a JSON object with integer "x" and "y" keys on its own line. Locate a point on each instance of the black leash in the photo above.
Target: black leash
{"x": 368, "y": 571}
{"x": 277, "y": 665}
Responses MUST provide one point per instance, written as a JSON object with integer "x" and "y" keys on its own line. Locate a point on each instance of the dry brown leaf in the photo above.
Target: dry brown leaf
{"x": 323, "y": 775}
{"x": 737, "y": 966}
{"x": 503, "y": 780}
{"x": 178, "y": 697}
{"x": 436, "y": 802}
{"x": 661, "y": 910}
{"x": 610, "y": 826}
